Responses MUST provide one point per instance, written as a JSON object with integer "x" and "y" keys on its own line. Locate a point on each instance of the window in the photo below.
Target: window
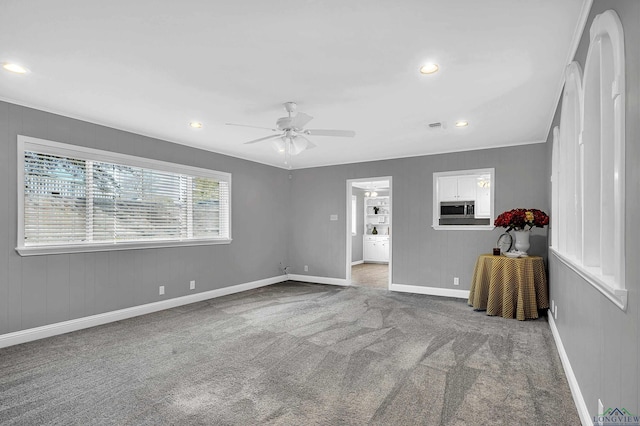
{"x": 570, "y": 191}
{"x": 588, "y": 176}
{"x": 463, "y": 200}
{"x": 354, "y": 208}
{"x": 74, "y": 199}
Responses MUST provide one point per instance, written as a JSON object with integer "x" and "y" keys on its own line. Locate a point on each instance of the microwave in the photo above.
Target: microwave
{"x": 457, "y": 209}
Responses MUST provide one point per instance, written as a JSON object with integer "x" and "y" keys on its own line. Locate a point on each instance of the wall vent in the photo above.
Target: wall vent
{"x": 437, "y": 125}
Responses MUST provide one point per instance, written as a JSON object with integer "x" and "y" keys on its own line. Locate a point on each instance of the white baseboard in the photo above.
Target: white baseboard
{"x": 318, "y": 280}
{"x": 433, "y": 291}
{"x": 50, "y": 330}
{"x": 578, "y": 399}
{"x": 357, "y": 262}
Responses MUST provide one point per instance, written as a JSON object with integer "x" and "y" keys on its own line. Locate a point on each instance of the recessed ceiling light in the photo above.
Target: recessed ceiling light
{"x": 462, "y": 123}
{"x": 196, "y": 124}
{"x": 18, "y": 69}
{"x": 429, "y": 68}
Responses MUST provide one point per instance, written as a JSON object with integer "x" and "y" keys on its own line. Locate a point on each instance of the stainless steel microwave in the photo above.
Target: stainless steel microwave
{"x": 457, "y": 209}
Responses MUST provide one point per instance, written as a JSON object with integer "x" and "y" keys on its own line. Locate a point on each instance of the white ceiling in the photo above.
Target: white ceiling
{"x": 151, "y": 67}
{"x": 372, "y": 185}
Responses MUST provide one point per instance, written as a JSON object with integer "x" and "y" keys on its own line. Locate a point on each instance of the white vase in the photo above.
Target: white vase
{"x": 522, "y": 240}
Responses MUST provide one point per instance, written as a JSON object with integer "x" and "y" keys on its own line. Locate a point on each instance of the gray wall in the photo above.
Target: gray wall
{"x": 41, "y": 290}
{"x": 356, "y": 240}
{"x": 421, "y": 255}
{"x": 601, "y": 340}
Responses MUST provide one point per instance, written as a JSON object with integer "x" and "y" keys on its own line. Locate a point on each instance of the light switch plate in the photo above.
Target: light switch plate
{"x": 333, "y": 217}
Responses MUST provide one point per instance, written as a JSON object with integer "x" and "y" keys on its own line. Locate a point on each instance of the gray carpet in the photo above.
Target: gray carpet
{"x": 294, "y": 354}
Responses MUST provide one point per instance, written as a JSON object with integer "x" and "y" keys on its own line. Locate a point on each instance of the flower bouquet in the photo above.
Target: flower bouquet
{"x": 519, "y": 219}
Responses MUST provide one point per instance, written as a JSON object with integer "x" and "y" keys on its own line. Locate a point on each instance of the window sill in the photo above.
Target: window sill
{"x": 463, "y": 227}
{"x": 616, "y": 295}
{"x": 88, "y": 248}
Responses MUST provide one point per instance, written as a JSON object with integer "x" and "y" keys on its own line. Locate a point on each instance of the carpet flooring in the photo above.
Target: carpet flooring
{"x": 293, "y": 354}
{"x": 373, "y": 275}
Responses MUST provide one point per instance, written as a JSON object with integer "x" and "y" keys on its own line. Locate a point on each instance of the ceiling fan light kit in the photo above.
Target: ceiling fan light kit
{"x": 292, "y": 140}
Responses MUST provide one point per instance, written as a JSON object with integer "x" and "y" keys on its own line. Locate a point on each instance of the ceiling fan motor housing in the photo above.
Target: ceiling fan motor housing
{"x": 284, "y": 123}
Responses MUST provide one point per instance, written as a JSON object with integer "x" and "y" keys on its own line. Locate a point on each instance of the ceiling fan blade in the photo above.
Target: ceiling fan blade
{"x": 263, "y": 139}
{"x": 321, "y": 132}
{"x": 247, "y": 125}
{"x": 300, "y": 120}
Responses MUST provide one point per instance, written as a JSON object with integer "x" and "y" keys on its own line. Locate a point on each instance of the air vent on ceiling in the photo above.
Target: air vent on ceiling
{"x": 437, "y": 125}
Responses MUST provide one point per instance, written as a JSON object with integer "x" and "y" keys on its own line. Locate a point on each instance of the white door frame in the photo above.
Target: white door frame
{"x": 348, "y": 221}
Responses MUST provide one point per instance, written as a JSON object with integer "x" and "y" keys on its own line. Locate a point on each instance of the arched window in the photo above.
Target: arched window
{"x": 555, "y": 197}
{"x": 569, "y": 174}
{"x": 588, "y": 174}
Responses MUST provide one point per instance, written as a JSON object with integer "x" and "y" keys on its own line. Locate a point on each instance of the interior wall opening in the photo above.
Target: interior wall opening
{"x": 369, "y": 232}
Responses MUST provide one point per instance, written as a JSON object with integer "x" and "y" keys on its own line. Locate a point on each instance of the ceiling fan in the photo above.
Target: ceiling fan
{"x": 291, "y": 138}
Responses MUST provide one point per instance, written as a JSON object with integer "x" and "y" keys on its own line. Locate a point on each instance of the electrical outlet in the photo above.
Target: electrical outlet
{"x": 456, "y": 281}
{"x": 555, "y": 312}
{"x": 306, "y": 268}
{"x": 161, "y": 290}
{"x": 192, "y": 285}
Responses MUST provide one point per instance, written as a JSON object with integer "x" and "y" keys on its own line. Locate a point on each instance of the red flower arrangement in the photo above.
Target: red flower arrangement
{"x": 519, "y": 219}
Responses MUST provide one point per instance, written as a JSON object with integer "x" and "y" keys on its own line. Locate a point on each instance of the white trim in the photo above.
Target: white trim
{"x": 424, "y": 154}
{"x": 433, "y": 291}
{"x": 554, "y": 186}
{"x": 357, "y": 262}
{"x": 578, "y": 399}
{"x": 463, "y": 227}
{"x": 88, "y": 248}
{"x": 354, "y": 211}
{"x": 617, "y": 295}
{"x": 319, "y": 280}
{"x": 50, "y": 330}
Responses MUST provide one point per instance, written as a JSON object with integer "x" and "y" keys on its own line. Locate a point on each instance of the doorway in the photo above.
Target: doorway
{"x": 369, "y": 236}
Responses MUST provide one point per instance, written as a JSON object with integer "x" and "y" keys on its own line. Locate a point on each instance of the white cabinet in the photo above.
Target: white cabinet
{"x": 457, "y": 188}
{"x": 467, "y": 188}
{"x": 483, "y": 202}
{"x": 448, "y": 188}
{"x": 376, "y": 248}
{"x": 377, "y": 216}
{"x": 377, "y": 224}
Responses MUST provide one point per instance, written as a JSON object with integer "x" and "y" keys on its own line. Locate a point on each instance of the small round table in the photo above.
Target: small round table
{"x": 509, "y": 287}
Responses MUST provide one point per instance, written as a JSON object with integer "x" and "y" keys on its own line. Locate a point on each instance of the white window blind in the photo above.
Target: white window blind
{"x": 74, "y": 196}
